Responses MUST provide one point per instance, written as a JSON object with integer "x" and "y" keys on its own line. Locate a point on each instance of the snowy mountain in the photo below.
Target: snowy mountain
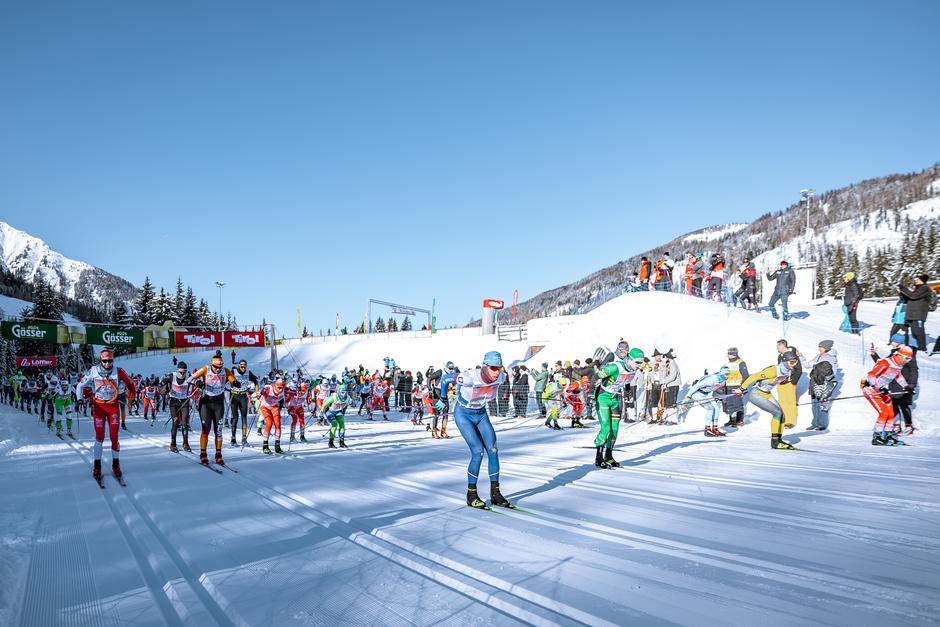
{"x": 860, "y": 227}
{"x": 27, "y": 257}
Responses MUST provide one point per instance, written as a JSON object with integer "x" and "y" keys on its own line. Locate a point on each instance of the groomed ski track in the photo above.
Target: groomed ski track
{"x": 690, "y": 531}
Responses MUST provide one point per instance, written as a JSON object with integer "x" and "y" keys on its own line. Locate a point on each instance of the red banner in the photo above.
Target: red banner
{"x": 244, "y": 338}
{"x": 491, "y": 303}
{"x": 213, "y": 339}
{"x": 36, "y": 362}
{"x": 188, "y": 339}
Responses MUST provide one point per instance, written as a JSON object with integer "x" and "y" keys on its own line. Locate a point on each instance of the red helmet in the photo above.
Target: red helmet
{"x": 905, "y": 353}
{"x": 279, "y": 384}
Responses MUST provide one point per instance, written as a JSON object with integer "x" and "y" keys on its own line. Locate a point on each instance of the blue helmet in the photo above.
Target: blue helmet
{"x": 723, "y": 373}
{"x": 493, "y": 359}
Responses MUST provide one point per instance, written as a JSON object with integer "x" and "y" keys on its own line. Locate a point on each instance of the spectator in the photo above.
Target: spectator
{"x": 520, "y": 390}
{"x": 789, "y": 359}
{"x": 716, "y": 276}
{"x": 502, "y": 396}
{"x": 646, "y": 270}
{"x": 786, "y": 282}
{"x": 917, "y": 301}
{"x": 407, "y": 384}
{"x": 851, "y": 299}
{"x": 540, "y": 380}
{"x": 746, "y": 293}
{"x": 694, "y": 271}
{"x": 822, "y": 384}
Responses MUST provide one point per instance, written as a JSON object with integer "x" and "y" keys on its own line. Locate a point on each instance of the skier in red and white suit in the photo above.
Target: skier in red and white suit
{"x": 294, "y": 400}
{"x": 100, "y": 386}
{"x": 272, "y": 400}
{"x": 875, "y": 389}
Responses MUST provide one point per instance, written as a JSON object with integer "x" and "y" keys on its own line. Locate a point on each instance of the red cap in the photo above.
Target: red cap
{"x": 106, "y": 353}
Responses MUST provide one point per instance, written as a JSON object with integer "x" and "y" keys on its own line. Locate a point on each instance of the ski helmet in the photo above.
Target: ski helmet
{"x": 493, "y": 359}
{"x": 181, "y": 365}
{"x": 636, "y": 354}
{"x": 623, "y": 347}
{"x": 905, "y": 353}
{"x": 106, "y": 354}
{"x": 723, "y": 373}
{"x": 449, "y": 366}
{"x": 342, "y": 389}
{"x": 732, "y": 352}
{"x": 279, "y": 384}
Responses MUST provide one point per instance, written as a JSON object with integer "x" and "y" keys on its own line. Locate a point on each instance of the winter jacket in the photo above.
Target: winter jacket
{"x": 852, "y": 295}
{"x": 822, "y": 376}
{"x": 909, "y": 371}
{"x": 540, "y": 377}
{"x": 520, "y": 381}
{"x": 916, "y": 300}
{"x": 786, "y": 281}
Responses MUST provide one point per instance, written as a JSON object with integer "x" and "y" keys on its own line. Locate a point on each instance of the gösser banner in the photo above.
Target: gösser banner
{"x": 39, "y": 331}
{"x": 186, "y": 339}
{"x": 35, "y": 362}
{"x": 109, "y": 336}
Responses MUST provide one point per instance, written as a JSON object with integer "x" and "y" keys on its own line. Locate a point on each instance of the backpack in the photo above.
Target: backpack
{"x": 822, "y": 371}
{"x": 931, "y": 300}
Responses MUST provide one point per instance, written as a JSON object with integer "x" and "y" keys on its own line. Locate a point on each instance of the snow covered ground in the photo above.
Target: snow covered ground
{"x": 691, "y": 530}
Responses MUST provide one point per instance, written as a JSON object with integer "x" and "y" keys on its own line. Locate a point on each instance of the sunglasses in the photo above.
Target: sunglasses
{"x": 107, "y": 361}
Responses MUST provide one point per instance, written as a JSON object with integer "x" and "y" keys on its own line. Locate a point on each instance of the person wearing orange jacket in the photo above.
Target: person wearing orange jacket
{"x": 875, "y": 388}
{"x": 646, "y": 269}
{"x": 214, "y": 377}
{"x": 272, "y": 400}
{"x": 693, "y": 275}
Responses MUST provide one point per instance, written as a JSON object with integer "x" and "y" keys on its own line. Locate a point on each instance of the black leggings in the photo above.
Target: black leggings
{"x": 179, "y": 411}
{"x": 211, "y": 413}
{"x": 239, "y": 405}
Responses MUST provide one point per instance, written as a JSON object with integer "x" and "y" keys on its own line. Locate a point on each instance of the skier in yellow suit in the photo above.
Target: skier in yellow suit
{"x": 763, "y": 383}
{"x": 786, "y": 391}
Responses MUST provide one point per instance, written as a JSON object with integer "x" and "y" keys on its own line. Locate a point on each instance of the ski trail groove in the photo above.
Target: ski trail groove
{"x": 371, "y": 541}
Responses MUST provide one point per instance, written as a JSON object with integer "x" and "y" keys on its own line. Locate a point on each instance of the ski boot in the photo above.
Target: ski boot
{"x": 292, "y": 438}
{"x": 259, "y": 430}
{"x": 427, "y": 427}
{"x": 173, "y": 448}
{"x": 96, "y": 470}
{"x": 69, "y": 434}
{"x": 233, "y": 442}
{"x": 555, "y": 425}
{"x": 218, "y": 458}
{"x": 890, "y": 439}
{"x": 203, "y": 457}
{"x": 277, "y": 447}
{"x": 186, "y": 447}
{"x": 576, "y": 424}
{"x": 434, "y": 434}
{"x": 444, "y": 434}
{"x": 123, "y": 426}
{"x": 496, "y": 497}
{"x": 265, "y": 449}
{"x": 244, "y": 440}
{"x": 49, "y": 424}
{"x": 385, "y": 418}
{"x": 331, "y": 444}
{"x": 778, "y": 443}
{"x": 609, "y": 458}
{"x": 116, "y": 468}
{"x": 730, "y": 423}
{"x": 548, "y": 423}
{"x": 342, "y": 444}
{"x": 599, "y": 458}
{"x": 303, "y": 438}
{"x": 908, "y": 430}
{"x": 473, "y": 499}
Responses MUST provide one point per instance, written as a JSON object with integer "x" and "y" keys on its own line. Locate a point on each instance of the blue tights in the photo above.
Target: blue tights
{"x": 478, "y": 433}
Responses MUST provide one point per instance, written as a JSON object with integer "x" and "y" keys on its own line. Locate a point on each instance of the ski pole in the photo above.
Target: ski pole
{"x": 845, "y": 398}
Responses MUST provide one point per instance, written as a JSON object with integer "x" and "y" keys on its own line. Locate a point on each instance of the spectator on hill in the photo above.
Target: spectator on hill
{"x": 851, "y": 299}
{"x": 786, "y": 282}
{"x": 646, "y": 270}
{"x": 716, "y": 276}
{"x": 917, "y": 300}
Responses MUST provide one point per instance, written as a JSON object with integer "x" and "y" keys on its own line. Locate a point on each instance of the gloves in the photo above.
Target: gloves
{"x": 864, "y": 383}
{"x": 738, "y": 392}
{"x": 883, "y": 391}
{"x": 908, "y": 388}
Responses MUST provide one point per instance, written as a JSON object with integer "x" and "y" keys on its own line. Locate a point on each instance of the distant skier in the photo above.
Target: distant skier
{"x": 335, "y": 407}
{"x": 272, "y": 400}
{"x": 238, "y": 398}
{"x": 875, "y": 387}
{"x": 473, "y": 389}
{"x": 180, "y": 390}
{"x": 100, "y": 385}
{"x": 294, "y": 401}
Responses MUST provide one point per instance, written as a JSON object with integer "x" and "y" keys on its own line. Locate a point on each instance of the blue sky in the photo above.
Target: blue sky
{"x": 319, "y": 154}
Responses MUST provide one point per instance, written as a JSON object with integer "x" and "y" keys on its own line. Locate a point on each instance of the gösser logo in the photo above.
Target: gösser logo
{"x": 19, "y": 331}
{"x": 193, "y": 338}
{"x": 118, "y": 337}
{"x": 244, "y": 339}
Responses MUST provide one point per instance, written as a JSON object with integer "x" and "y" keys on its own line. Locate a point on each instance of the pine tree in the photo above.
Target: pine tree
{"x": 380, "y": 325}
{"x": 344, "y": 331}
{"x": 392, "y": 325}
{"x": 119, "y": 313}
{"x": 162, "y": 308}
{"x": 836, "y": 271}
{"x": 179, "y": 301}
{"x": 203, "y": 315}
{"x": 144, "y": 306}
{"x": 406, "y": 324}
{"x": 305, "y": 333}
{"x": 190, "y": 317}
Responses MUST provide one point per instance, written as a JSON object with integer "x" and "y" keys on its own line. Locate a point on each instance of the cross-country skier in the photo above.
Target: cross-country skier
{"x": 473, "y": 389}
{"x": 150, "y": 399}
{"x": 100, "y": 386}
{"x": 272, "y": 400}
{"x": 63, "y": 402}
{"x": 335, "y": 407}
{"x": 763, "y": 383}
{"x": 215, "y": 377}
{"x": 703, "y": 393}
{"x": 180, "y": 390}
{"x": 238, "y": 398}
{"x": 294, "y": 401}
{"x": 420, "y": 399}
{"x": 379, "y": 390}
{"x": 875, "y": 388}
{"x": 612, "y": 378}
{"x": 442, "y": 401}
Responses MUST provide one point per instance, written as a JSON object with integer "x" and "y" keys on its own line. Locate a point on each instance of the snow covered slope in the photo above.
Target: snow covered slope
{"x": 27, "y": 256}
{"x": 690, "y": 531}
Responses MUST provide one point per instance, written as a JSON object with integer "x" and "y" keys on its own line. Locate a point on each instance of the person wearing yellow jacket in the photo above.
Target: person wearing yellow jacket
{"x": 763, "y": 383}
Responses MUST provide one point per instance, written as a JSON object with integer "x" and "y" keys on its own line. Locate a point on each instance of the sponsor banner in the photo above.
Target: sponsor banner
{"x": 36, "y": 362}
{"x": 36, "y": 331}
{"x": 112, "y": 336}
{"x": 402, "y": 310}
{"x": 244, "y": 338}
{"x": 195, "y": 339}
{"x": 492, "y": 303}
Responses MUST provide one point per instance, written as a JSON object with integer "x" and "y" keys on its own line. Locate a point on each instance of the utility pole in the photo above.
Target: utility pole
{"x": 806, "y": 196}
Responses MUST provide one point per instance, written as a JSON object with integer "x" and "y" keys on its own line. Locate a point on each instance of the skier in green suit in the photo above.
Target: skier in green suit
{"x": 611, "y": 379}
{"x": 334, "y": 408}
